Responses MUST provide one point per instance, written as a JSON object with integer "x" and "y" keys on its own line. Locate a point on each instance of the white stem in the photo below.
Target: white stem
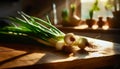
{"x": 59, "y": 45}
{"x": 69, "y": 38}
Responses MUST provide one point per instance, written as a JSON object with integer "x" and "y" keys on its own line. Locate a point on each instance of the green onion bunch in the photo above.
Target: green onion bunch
{"x": 33, "y": 27}
{"x": 44, "y": 32}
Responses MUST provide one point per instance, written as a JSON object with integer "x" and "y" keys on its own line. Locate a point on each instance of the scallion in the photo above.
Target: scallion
{"x": 42, "y": 31}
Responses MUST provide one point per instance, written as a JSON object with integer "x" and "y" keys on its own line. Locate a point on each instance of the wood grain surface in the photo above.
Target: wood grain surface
{"x": 15, "y": 55}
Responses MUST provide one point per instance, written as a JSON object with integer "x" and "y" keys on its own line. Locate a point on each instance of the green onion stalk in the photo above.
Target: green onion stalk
{"x": 43, "y": 32}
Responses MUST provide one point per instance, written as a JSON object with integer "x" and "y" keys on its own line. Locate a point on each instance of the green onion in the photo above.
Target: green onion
{"x": 40, "y": 30}
{"x": 35, "y": 28}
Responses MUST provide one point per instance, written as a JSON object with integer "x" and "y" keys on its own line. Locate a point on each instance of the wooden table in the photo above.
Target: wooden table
{"x": 38, "y": 56}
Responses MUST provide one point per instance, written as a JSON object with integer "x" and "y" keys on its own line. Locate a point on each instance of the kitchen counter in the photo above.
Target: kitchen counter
{"x": 38, "y": 56}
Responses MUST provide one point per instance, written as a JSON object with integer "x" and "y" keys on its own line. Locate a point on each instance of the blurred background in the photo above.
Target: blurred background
{"x": 54, "y": 8}
{"x": 40, "y": 8}
{"x": 9, "y": 7}
{"x": 44, "y": 7}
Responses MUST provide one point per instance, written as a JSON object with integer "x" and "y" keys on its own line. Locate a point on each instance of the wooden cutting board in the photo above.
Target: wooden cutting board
{"x": 14, "y": 55}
